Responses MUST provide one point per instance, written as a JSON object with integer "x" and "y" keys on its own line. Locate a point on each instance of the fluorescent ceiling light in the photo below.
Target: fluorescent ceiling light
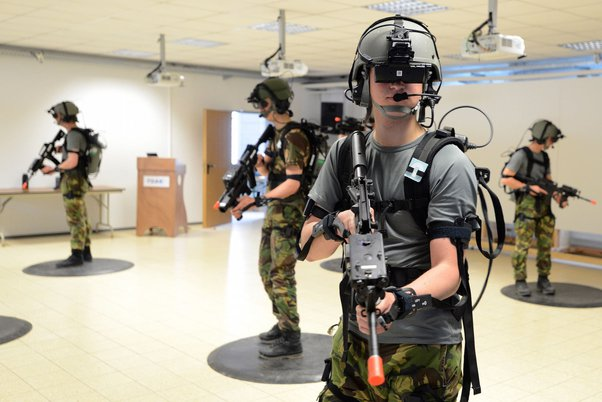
{"x": 197, "y": 42}
{"x": 406, "y": 7}
{"x": 290, "y": 28}
{"x": 132, "y": 53}
{"x": 588, "y": 46}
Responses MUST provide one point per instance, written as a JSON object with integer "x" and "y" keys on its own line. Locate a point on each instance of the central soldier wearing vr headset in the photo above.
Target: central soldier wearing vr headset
{"x": 396, "y": 75}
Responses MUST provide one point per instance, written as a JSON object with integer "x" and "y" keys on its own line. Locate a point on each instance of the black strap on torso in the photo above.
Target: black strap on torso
{"x": 274, "y": 180}
{"x": 417, "y": 193}
{"x": 531, "y": 160}
{"x": 520, "y": 193}
{"x": 307, "y": 130}
{"x": 81, "y": 160}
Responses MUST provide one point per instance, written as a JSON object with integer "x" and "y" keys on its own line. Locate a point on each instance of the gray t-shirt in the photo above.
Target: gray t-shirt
{"x": 74, "y": 142}
{"x": 453, "y": 190}
{"x": 519, "y": 162}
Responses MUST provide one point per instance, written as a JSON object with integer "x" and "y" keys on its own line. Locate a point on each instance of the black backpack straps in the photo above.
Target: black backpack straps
{"x": 81, "y": 161}
{"x": 470, "y": 371}
{"x": 416, "y": 182}
{"x": 530, "y": 160}
{"x": 345, "y": 172}
{"x": 546, "y": 162}
{"x": 499, "y": 220}
{"x": 288, "y": 127}
{"x": 307, "y": 129}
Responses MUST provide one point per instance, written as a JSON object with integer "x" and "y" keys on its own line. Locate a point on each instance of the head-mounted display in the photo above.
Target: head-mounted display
{"x": 405, "y": 73}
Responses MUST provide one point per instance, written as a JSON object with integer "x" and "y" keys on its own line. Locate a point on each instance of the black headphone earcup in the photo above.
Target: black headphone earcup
{"x": 360, "y": 93}
{"x": 364, "y": 100}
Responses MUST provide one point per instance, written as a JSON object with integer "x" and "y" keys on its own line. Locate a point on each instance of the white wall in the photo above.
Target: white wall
{"x": 512, "y": 107}
{"x": 134, "y": 118}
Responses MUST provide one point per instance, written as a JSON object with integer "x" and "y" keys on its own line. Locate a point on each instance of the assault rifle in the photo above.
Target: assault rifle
{"x": 240, "y": 180}
{"x": 551, "y": 187}
{"x": 366, "y": 266}
{"x": 45, "y": 153}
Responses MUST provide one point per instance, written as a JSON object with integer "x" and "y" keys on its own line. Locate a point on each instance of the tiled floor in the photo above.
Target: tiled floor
{"x": 144, "y": 334}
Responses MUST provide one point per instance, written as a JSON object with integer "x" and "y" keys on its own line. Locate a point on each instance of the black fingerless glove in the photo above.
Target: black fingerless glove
{"x": 328, "y": 227}
{"x": 407, "y": 303}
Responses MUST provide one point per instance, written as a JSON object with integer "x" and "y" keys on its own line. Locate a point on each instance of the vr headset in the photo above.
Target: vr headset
{"x": 395, "y": 72}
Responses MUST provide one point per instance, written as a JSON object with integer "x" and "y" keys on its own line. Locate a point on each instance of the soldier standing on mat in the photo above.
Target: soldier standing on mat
{"x": 73, "y": 183}
{"x": 533, "y": 214}
{"x": 286, "y": 157}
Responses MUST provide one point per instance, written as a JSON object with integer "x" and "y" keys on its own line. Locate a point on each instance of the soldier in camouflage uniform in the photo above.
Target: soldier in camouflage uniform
{"x": 395, "y": 71}
{"x": 286, "y": 157}
{"x": 73, "y": 183}
{"x": 533, "y": 215}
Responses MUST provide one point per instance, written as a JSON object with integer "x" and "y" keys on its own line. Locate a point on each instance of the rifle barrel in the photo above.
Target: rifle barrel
{"x": 376, "y": 373}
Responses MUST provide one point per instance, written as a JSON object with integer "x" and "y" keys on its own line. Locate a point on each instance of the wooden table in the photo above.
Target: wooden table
{"x": 99, "y": 193}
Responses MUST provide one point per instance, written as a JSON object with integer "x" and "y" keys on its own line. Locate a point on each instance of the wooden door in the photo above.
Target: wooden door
{"x": 216, "y": 156}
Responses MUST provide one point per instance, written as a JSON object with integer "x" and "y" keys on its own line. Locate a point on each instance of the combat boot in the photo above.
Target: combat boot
{"x": 271, "y": 335}
{"x": 76, "y": 258}
{"x": 522, "y": 289}
{"x": 287, "y": 346}
{"x": 87, "y": 254}
{"x": 544, "y": 286}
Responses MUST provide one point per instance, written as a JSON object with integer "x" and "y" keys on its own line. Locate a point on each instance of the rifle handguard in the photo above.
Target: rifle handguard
{"x": 407, "y": 303}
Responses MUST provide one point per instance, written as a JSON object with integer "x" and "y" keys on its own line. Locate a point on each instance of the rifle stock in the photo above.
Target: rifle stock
{"x": 240, "y": 180}
{"x": 45, "y": 154}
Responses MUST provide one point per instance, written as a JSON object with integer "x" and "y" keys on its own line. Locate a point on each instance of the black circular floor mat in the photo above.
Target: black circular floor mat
{"x": 98, "y": 266}
{"x": 12, "y": 328}
{"x": 240, "y": 359}
{"x": 567, "y": 295}
{"x": 332, "y": 265}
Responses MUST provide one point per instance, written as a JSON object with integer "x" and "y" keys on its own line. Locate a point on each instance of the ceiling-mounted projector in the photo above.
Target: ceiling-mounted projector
{"x": 165, "y": 79}
{"x": 278, "y": 66}
{"x": 159, "y": 76}
{"x": 283, "y": 68}
{"x": 493, "y": 46}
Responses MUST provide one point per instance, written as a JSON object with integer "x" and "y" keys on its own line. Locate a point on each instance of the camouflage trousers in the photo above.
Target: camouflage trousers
{"x": 533, "y": 217}
{"x": 277, "y": 259}
{"x": 74, "y": 188}
{"x": 412, "y": 372}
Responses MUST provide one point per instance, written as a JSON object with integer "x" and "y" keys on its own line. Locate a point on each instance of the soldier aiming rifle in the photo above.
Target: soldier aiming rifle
{"x": 528, "y": 175}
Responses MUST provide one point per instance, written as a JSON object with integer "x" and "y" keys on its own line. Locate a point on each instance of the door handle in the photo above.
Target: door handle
{"x": 209, "y": 166}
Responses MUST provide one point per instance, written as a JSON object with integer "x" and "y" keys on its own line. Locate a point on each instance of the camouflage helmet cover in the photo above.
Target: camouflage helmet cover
{"x": 65, "y": 108}
{"x": 543, "y": 129}
{"x": 277, "y": 89}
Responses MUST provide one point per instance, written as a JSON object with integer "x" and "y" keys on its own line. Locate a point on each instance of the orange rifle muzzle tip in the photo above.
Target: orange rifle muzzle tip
{"x": 376, "y": 375}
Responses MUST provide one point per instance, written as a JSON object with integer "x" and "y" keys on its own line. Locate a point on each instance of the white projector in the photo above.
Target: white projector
{"x": 283, "y": 68}
{"x": 493, "y": 46}
{"x": 165, "y": 79}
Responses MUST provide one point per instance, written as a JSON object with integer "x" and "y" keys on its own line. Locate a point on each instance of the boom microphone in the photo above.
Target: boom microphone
{"x": 399, "y": 97}
{"x": 403, "y": 96}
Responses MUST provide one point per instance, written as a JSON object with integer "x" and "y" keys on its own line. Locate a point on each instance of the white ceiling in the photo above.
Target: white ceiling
{"x": 106, "y": 26}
